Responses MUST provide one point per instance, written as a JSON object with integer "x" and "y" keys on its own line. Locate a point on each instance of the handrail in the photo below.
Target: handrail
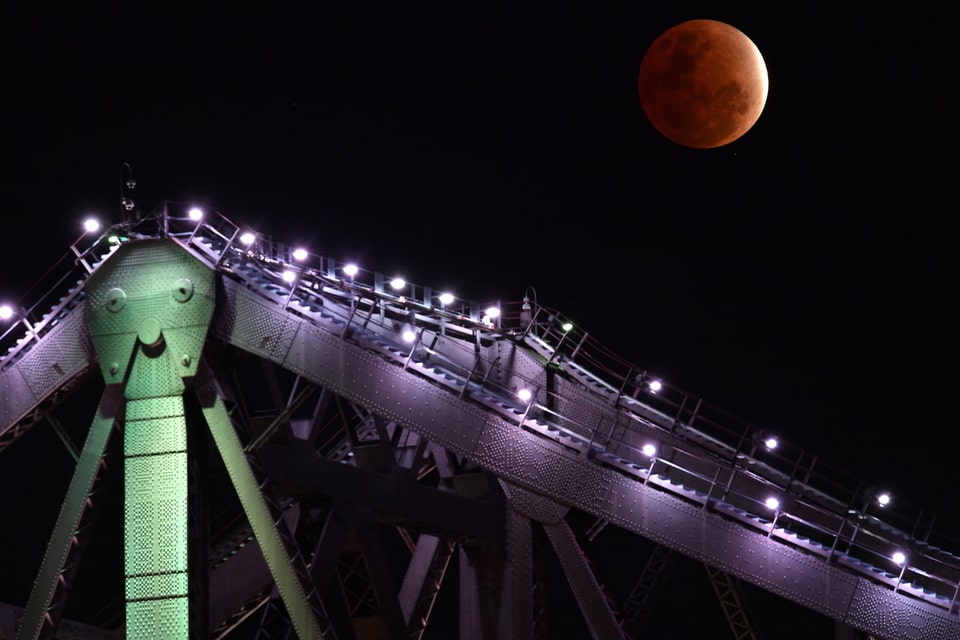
{"x": 726, "y": 461}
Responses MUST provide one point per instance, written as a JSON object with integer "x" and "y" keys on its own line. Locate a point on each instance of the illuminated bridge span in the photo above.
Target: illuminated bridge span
{"x": 308, "y": 449}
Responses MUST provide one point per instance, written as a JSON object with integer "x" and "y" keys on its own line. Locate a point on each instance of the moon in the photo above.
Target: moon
{"x": 703, "y": 84}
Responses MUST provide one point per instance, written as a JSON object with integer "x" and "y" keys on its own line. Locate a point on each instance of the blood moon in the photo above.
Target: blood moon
{"x": 703, "y": 83}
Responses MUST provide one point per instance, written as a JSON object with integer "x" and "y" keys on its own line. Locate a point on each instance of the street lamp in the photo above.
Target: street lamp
{"x": 127, "y": 182}
{"x": 90, "y": 225}
{"x": 526, "y": 311}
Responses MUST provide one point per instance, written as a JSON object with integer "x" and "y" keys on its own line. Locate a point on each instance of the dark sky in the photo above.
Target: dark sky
{"x": 804, "y": 276}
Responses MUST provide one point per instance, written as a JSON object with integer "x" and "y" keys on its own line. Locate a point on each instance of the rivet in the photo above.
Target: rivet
{"x": 186, "y": 361}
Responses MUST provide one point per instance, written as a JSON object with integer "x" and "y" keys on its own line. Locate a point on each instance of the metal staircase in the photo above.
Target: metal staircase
{"x": 345, "y": 416}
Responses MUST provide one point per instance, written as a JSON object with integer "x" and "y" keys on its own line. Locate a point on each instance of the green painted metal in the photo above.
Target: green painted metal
{"x": 277, "y": 556}
{"x": 44, "y": 606}
{"x": 148, "y": 311}
{"x": 155, "y": 505}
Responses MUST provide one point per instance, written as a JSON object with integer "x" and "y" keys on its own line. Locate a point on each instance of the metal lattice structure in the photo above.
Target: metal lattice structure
{"x": 314, "y": 454}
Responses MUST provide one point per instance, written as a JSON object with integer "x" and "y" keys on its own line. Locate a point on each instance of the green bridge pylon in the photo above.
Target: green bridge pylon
{"x": 148, "y": 309}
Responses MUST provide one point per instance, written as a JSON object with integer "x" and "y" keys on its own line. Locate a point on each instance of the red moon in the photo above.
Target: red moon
{"x": 703, "y": 84}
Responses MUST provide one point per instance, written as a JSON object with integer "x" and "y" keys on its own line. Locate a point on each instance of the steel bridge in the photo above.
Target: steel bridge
{"x": 311, "y": 451}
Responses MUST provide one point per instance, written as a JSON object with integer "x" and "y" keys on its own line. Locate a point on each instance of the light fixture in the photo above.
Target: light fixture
{"x": 772, "y": 503}
{"x": 398, "y": 283}
{"x": 126, "y": 182}
{"x": 299, "y": 254}
{"x": 289, "y": 276}
{"x": 525, "y": 394}
{"x": 654, "y": 386}
{"x": 899, "y": 557}
{"x": 649, "y": 450}
{"x": 526, "y": 311}
{"x": 566, "y": 326}
{"x": 770, "y": 443}
{"x": 129, "y": 182}
{"x": 490, "y": 316}
{"x": 247, "y": 238}
{"x": 6, "y": 312}
{"x": 351, "y": 270}
{"x": 195, "y": 214}
{"x": 446, "y": 298}
{"x": 91, "y": 225}
{"x": 883, "y": 499}
{"x": 409, "y": 335}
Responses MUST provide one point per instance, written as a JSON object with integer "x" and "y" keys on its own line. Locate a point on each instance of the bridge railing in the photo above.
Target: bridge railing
{"x": 53, "y": 295}
{"x": 824, "y": 501}
{"x": 826, "y": 498}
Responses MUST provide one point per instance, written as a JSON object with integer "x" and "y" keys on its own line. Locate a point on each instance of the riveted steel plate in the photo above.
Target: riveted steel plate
{"x": 16, "y": 396}
{"x": 151, "y": 291}
{"x": 146, "y": 437}
{"x": 541, "y": 465}
{"x": 64, "y": 353}
{"x": 158, "y": 619}
{"x": 156, "y": 586}
{"x": 267, "y": 332}
{"x": 155, "y": 509}
{"x": 872, "y": 608}
{"x": 151, "y": 408}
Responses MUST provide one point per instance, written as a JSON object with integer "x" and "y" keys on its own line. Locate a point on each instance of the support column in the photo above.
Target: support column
{"x": 286, "y": 563}
{"x": 155, "y": 554}
{"x": 49, "y": 595}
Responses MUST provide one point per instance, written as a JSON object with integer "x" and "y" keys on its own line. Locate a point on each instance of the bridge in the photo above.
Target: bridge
{"x": 308, "y": 449}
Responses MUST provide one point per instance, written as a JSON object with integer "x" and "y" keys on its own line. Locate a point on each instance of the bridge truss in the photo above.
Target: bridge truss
{"x": 304, "y": 450}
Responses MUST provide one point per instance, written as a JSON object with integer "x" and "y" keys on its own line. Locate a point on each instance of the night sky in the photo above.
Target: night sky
{"x": 803, "y": 277}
